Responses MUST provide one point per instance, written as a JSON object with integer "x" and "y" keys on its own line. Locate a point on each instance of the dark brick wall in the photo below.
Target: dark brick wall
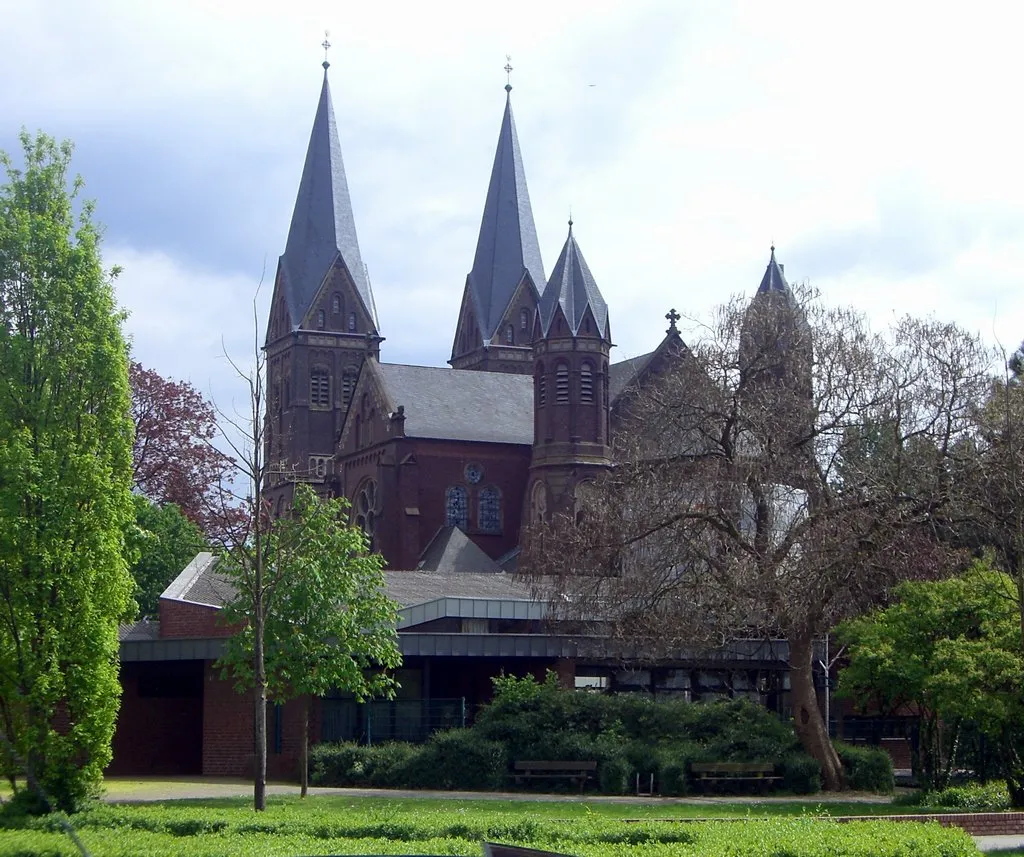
{"x": 160, "y": 724}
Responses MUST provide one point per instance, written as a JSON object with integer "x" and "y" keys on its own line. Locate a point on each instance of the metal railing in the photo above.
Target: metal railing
{"x": 411, "y": 720}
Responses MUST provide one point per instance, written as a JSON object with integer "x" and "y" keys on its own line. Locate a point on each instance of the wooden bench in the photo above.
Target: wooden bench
{"x": 715, "y": 773}
{"x": 574, "y": 772}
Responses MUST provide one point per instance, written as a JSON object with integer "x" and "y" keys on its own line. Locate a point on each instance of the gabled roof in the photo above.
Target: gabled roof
{"x": 411, "y": 588}
{"x": 572, "y": 287}
{"x": 323, "y": 226}
{"x": 460, "y": 404}
{"x": 507, "y": 247}
{"x": 452, "y": 551}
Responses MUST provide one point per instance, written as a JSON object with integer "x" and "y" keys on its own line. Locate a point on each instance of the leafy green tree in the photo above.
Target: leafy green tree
{"x": 165, "y": 541}
{"x": 949, "y": 649}
{"x": 65, "y": 479}
{"x": 329, "y": 623}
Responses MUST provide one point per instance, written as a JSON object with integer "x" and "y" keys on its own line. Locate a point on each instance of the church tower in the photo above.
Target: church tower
{"x": 501, "y": 293}
{"x": 323, "y": 322}
{"x": 776, "y": 363}
{"x": 572, "y": 342}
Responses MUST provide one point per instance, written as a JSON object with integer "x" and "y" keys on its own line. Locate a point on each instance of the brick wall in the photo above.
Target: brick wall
{"x": 181, "y": 619}
{"x": 227, "y": 731}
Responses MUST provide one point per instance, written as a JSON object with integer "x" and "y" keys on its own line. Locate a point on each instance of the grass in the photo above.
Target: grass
{"x": 347, "y": 825}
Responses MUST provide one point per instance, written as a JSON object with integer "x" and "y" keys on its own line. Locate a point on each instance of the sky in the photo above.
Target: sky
{"x": 878, "y": 145}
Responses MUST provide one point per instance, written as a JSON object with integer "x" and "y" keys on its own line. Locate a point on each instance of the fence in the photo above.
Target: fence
{"x": 389, "y": 720}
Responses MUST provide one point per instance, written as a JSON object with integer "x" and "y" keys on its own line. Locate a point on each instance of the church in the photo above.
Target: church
{"x": 442, "y": 464}
{"x": 443, "y": 467}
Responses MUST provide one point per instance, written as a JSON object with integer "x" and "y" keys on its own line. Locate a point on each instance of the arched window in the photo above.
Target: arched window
{"x": 542, "y": 386}
{"x": 489, "y": 512}
{"x": 319, "y": 387}
{"x": 539, "y": 502}
{"x": 320, "y": 319}
{"x": 456, "y": 509}
{"x": 510, "y": 336}
{"x": 351, "y": 321}
{"x": 336, "y": 305}
{"x": 586, "y": 385}
{"x": 366, "y": 511}
{"x": 562, "y": 384}
{"x": 524, "y": 318}
{"x": 348, "y": 384}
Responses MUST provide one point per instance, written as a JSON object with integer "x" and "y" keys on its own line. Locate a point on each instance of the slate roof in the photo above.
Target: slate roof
{"x": 451, "y": 550}
{"x": 200, "y": 583}
{"x": 572, "y": 286}
{"x": 625, "y": 372}
{"x": 144, "y": 629}
{"x": 507, "y": 246}
{"x": 409, "y": 588}
{"x": 461, "y": 404}
{"x": 323, "y": 225}
{"x": 774, "y": 280}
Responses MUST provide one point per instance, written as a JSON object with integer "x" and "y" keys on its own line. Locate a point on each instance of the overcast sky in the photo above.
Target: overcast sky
{"x": 878, "y": 145}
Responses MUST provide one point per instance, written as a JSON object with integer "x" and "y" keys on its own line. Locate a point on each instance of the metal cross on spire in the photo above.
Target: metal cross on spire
{"x": 672, "y": 317}
{"x": 508, "y": 72}
{"x": 326, "y": 45}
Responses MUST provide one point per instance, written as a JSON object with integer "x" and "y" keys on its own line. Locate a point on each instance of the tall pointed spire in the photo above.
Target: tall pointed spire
{"x": 323, "y": 226}
{"x": 507, "y": 248}
{"x": 572, "y": 287}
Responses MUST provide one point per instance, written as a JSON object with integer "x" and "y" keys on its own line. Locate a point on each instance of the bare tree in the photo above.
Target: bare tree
{"x": 782, "y": 477}
{"x": 246, "y": 549}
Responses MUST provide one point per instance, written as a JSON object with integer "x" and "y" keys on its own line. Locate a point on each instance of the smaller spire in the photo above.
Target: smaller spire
{"x": 508, "y": 72}
{"x": 672, "y": 317}
{"x": 326, "y": 45}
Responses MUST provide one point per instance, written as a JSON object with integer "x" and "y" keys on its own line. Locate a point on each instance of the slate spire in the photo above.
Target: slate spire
{"x": 323, "y": 226}
{"x": 507, "y": 247}
{"x": 572, "y": 287}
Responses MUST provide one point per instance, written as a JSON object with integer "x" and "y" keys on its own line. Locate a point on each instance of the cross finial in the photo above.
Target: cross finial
{"x": 508, "y": 72}
{"x": 672, "y": 317}
{"x": 326, "y": 45}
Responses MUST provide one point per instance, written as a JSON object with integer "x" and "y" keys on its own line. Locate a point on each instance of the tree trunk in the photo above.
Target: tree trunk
{"x": 304, "y": 749}
{"x": 259, "y": 730}
{"x": 810, "y": 725}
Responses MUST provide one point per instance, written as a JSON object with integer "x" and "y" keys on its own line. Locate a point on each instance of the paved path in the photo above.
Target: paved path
{"x": 124, "y": 790}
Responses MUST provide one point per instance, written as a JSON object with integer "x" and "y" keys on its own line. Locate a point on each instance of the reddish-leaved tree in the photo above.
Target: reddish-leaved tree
{"x": 174, "y": 459}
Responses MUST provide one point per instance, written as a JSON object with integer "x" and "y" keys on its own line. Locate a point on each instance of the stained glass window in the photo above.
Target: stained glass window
{"x": 457, "y": 507}
{"x": 489, "y": 517}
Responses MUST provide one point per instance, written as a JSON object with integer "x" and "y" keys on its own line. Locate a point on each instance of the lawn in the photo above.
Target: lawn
{"x": 344, "y": 825}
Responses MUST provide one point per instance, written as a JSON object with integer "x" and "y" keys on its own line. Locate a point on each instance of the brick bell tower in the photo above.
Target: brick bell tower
{"x": 323, "y": 321}
{"x": 572, "y": 341}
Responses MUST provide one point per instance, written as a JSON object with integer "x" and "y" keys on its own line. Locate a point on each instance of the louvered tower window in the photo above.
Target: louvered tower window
{"x": 319, "y": 387}
{"x": 586, "y": 385}
{"x": 348, "y": 385}
{"x": 542, "y": 386}
{"x": 562, "y": 384}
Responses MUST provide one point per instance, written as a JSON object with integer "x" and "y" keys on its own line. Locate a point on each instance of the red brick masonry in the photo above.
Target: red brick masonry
{"x": 974, "y": 823}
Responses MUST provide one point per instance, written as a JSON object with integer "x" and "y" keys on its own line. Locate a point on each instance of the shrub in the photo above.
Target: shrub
{"x": 613, "y": 775}
{"x": 800, "y": 773}
{"x": 867, "y": 769}
{"x": 973, "y": 797}
{"x": 338, "y": 764}
{"x": 458, "y": 759}
{"x": 387, "y": 765}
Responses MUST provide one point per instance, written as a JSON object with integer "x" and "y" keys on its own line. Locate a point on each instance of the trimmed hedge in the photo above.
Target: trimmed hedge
{"x": 867, "y": 769}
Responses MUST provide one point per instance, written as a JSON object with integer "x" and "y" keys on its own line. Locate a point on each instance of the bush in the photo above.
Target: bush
{"x": 338, "y": 764}
{"x": 458, "y": 759}
{"x": 867, "y": 769}
{"x": 801, "y": 774}
{"x": 974, "y": 797}
{"x": 613, "y": 775}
